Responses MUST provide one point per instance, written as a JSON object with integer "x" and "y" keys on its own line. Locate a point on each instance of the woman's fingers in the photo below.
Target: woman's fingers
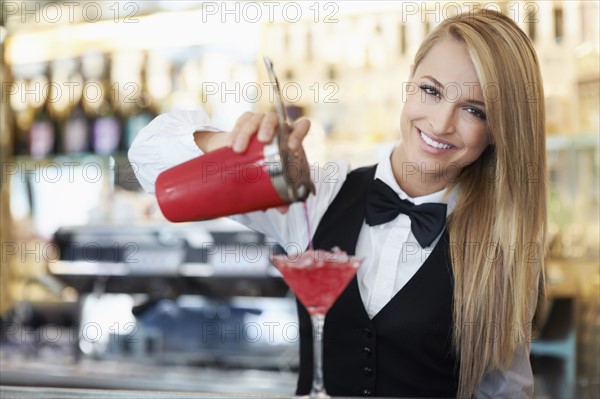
{"x": 249, "y": 124}
{"x": 268, "y": 128}
{"x": 299, "y": 131}
{"x": 265, "y": 125}
{"x": 245, "y": 127}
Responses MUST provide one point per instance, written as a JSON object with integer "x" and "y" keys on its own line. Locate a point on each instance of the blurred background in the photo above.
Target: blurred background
{"x": 98, "y": 290}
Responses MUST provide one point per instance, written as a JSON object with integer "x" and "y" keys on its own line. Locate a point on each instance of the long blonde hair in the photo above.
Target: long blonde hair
{"x": 497, "y": 230}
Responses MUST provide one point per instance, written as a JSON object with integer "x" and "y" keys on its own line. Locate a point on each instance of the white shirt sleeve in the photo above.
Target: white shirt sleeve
{"x": 168, "y": 141}
{"x": 514, "y": 382}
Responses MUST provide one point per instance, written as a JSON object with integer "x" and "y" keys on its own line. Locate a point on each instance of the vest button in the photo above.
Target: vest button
{"x": 367, "y": 333}
{"x": 367, "y": 351}
{"x": 368, "y": 371}
{"x": 366, "y": 392}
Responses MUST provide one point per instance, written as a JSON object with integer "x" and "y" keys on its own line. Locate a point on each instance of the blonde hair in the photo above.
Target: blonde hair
{"x": 497, "y": 230}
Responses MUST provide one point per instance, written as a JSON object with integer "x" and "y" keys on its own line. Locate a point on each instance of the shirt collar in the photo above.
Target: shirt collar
{"x": 385, "y": 173}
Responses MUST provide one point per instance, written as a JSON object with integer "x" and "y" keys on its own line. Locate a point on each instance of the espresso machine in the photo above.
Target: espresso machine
{"x": 201, "y": 293}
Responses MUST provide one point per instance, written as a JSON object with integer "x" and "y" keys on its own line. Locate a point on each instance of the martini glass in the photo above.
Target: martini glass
{"x": 317, "y": 277}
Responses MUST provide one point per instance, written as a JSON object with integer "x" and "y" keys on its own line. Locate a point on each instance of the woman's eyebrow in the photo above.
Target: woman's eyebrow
{"x": 439, "y": 85}
{"x": 434, "y": 80}
{"x": 476, "y": 102}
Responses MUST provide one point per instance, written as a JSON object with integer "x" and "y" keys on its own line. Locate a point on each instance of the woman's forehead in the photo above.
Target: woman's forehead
{"x": 448, "y": 62}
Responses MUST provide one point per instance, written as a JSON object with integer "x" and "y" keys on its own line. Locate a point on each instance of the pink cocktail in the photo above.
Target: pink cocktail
{"x": 320, "y": 283}
{"x": 317, "y": 278}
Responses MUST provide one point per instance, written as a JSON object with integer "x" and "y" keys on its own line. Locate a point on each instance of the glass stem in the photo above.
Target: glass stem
{"x": 318, "y": 388}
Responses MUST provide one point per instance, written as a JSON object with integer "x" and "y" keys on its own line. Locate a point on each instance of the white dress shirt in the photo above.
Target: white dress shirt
{"x": 392, "y": 254}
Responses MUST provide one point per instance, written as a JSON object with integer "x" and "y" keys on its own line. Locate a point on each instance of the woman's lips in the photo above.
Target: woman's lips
{"x": 433, "y": 146}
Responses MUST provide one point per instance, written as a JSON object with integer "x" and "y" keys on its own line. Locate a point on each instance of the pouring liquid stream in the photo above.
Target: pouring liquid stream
{"x": 307, "y": 219}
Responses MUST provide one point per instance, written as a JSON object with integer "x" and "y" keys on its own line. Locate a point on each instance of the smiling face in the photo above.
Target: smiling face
{"x": 443, "y": 123}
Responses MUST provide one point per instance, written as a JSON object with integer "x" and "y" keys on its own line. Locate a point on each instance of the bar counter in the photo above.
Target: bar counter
{"x": 12, "y": 392}
{"x": 27, "y": 378}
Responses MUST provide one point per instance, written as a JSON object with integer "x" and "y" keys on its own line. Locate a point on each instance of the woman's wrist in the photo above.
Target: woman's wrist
{"x": 210, "y": 140}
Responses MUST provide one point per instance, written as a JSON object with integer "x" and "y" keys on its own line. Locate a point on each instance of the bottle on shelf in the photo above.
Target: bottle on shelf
{"x": 140, "y": 111}
{"x": 106, "y": 126}
{"x": 41, "y": 138}
{"x": 60, "y": 98}
{"x": 66, "y": 107}
{"x": 42, "y": 134}
{"x": 21, "y": 136}
{"x": 76, "y": 131}
{"x": 24, "y": 114}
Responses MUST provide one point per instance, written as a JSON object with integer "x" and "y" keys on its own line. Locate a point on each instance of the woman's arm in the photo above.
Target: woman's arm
{"x": 208, "y": 140}
{"x": 168, "y": 140}
{"x": 178, "y": 136}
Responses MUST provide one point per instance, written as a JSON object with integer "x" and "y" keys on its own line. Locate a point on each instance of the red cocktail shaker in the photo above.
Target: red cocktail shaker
{"x": 222, "y": 182}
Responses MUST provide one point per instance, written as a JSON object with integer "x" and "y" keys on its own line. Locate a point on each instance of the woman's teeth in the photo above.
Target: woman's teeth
{"x": 434, "y": 143}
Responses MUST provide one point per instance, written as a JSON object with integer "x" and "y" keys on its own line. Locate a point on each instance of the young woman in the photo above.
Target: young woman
{"x": 448, "y": 315}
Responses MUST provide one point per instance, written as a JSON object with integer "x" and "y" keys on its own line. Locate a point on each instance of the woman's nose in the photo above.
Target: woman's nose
{"x": 444, "y": 119}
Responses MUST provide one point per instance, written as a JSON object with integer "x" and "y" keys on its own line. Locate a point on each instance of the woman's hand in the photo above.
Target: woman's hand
{"x": 265, "y": 125}
{"x": 247, "y": 125}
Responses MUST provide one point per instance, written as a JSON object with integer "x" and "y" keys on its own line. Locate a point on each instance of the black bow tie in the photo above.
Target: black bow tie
{"x": 426, "y": 220}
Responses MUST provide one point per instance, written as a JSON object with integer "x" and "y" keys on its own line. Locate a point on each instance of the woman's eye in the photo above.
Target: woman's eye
{"x": 432, "y": 91}
{"x": 477, "y": 113}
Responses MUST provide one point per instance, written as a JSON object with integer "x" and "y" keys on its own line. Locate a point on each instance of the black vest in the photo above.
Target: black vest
{"x": 405, "y": 350}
